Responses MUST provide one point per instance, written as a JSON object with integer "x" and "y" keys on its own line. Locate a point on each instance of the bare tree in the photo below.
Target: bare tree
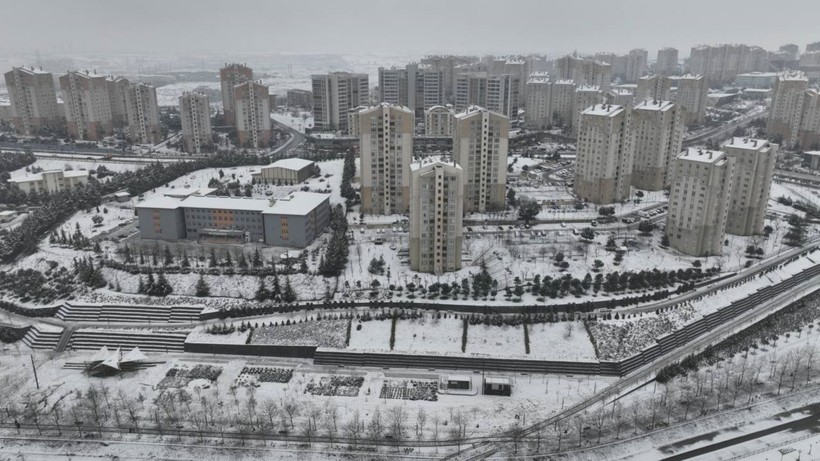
{"x": 579, "y": 422}
{"x": 560, "y": 428}
{"x": 599, "y": 419}
{"x": 458, "y": 428}
{"x": 271, "y": 411}
{"x": 306, "y": 428}
{"x": 396, "y": 419}
{"x": 354, "y": 427}
{"x": 291, "y": 409}
{"x": 130, "y": 406}
{"x": 781, "y": 370}
{"x": 374, "y": 427}
{"x": 434, "y": 435}
{"x": 516, "y": 433}
{"x": 329, "y": 422}
{"x": 421, "y": 421}
{"x": 811, "y": 355}
{"x": 32, "y": 409}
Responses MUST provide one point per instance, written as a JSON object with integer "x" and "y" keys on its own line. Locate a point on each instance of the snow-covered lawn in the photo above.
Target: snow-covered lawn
{"x": 373, "y": 335}
{"x": 75, "y": 164}
{"x": 493, "y": 341}
{"x": 560, "y": 341}
{"x": 429, "y": 335}
{"x": 302, "y": 120}
{"x": 200, "y": 336}
{"x": 168, "y": 95}
{"x": 117, "y": 214}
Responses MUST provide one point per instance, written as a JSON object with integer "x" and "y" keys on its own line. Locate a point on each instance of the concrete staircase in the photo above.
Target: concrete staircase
{"x": 42, "y": 339}
{"x": 147, "y": 340}
{"x": 127, "y": 313}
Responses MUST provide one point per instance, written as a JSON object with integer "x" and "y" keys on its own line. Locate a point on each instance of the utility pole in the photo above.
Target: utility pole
{"x": 34, "y": 369}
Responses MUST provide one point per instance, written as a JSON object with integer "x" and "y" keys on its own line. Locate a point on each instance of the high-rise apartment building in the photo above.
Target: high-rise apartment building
{"x": 538, "y": 110}
{"x": 584, "y": 71}
{"x": 562, "y": 103}
{"x": 586, "y": 96}
{"x": 621, "y": 97}
{"x": 603, "y": 170}
{"x": 653, "y": 87}
{"x": 480, "y": 143}
{"x": 436, "y": 210}
{"x": 117, "y": 89}
{"x": 438, "y": 121}
{"x": 87, "y": 106}
{"x": 143, "y": 114}
{"x": 699, "y": 201}
{"x": 786, "y": 108}
{"x": 386, "y": 147}
{"x": 811, "y": 47}
{"x": 498, "y": 93}
{"x": 230, "y": 76}
{"x": 33, "y": 101}
{"x": 334, "y": 94}
{"x": 655, "y": 134}
{"x": 416, "y": 87}
{"x": 808, "y": 135}
{"x": 302, "y": 99}
{"x": 722, "y": 63}
{"x": 691, "y": 97}
{"x": 195, "y": 114}
{"x": 253, "y": 125}
{"x": 754, "y": 161}
{"x": 448, "y": 65}
{"x": 636, "y": 63}
{"x": 667, "y": 62}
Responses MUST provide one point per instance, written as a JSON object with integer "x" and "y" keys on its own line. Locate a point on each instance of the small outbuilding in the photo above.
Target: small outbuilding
{"x": 497, "y": 386}
{"x": 459, "y": 382}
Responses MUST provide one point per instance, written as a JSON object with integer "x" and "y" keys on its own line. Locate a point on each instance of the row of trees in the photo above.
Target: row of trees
{"x": 334, "y": 261}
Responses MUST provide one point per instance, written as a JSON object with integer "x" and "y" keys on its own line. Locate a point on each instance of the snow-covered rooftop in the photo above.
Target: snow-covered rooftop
{"x": 815, "y": 153}
{"x": 694, "y": 154}
{"x": 226, "y": 203}
{"x": 588, "y": 88}
{"x": 655, "y": 104}
{"x": 427, "y": 162}
{"x": 160, "y": 203}
{"x": 182, "y": 193}
{"x": 290, "y": 163}
{"x": 606, "y": 110}
{"x": 747, "y": 143}
{"x": 39, "y": 176}
{"x": 565, "y": 82}
{"x": 794, "y": 76}
{"x": 474, "y": 110}
{"x": 297, "y": 203}
{"x": 539, "y": 79}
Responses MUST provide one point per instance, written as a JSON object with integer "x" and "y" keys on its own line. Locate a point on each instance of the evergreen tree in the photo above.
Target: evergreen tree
{"x": 228, "y": 259}
{"x": 257, "y": 258}
{"x": 242, "y": 261}
{"x": 185, "y": 262}
{"x": 168, "y": 257}
{"x": 142, "y": 258}
{"x": 276, "y": 292}
{"x": 212, "y": 260}
{"x": 262, "y": 293}
{"x": 141, "y": 286}
{"x": 129, "y": 258}
{"x": 202, "y": 288}
{"x": 149, "y": 284}
{"x": 288, "y": 295}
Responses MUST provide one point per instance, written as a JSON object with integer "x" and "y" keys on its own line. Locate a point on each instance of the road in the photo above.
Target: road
{"x": 725, "y": 131}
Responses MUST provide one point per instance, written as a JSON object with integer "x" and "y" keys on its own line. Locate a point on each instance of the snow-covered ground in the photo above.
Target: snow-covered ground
{"x": 302, "y": 120}
{"x": 74, "y": 164}
{"x": 534, "y": 396}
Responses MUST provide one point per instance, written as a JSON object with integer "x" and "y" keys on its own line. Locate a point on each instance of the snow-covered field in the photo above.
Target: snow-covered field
{"x": 300, "y": 122}
{"x": 78, "y": 165}
{"x": 168, "y": 95}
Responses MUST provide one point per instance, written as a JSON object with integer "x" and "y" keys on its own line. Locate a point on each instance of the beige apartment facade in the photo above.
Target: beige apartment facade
{"x": 143, "y": 114}
{"x": 480, "y": 147}
{"x": 87, "y": 106}
{"x": 386, "y": 150}
{"x": 438, "y": 121}
{"x": 230, "y": 76}
{"x": 691, "y": 97}
{"x": 436, "y": 211}
{"x": 253, "y": 125}
{"x": 195, "y": 114}
{"x": 652, "y": 87}
{"x": 699, "y": 201}
{"x": 603, "y": 170}
{"x": 33, "y": 101}
{"x": 655, "y": 135}
{"x": 754, "y": 161}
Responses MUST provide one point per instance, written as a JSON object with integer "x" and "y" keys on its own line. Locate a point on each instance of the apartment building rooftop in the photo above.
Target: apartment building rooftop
{"x": 655, "y": 104}
{"x": 747, "y": 143}
{"x": 428, "y": 162}
{"x": 695, "y": 154}
{"x": 474, "y": 109}
{"x": 290, "y": 163}
{"x": 605, "y": 110}
{"x": 794, "y": 76}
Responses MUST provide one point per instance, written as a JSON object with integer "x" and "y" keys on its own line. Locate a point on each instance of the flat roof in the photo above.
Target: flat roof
{"x": 39, "y": 176}
{"x": 695, "y": 154}
{"x": 815, "y": 153}
{"x": 182, "y": 193}
{"x": 746, "y": 143}
{"x": 226, "y": 203}
{"x": 654, "y": 104}
{"x": 8, "y": 213}
{"x": 418, "y": 165}
{"x": 606, "y": 110}
{"x": 459, "y": 378}
{"x": 297, "y": 203}
{"x": 290, "y": 163}
{"x": 160, "y": 203}
{"x": 491, "y": 380}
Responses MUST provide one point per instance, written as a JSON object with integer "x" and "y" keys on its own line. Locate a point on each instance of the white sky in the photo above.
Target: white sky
{"x": 398, "y": 26}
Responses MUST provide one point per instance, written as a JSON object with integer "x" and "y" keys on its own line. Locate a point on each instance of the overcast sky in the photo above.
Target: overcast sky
{"x": 399, "y": 27}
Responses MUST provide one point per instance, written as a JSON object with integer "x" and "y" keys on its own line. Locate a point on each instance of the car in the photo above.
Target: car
{"x": 625, "y": 220}
{"x": 593, "y": 223}
{"x": 563, "y": 224}
{"x": 469, "y": 229}
{"x": 361, "y": 231}
{"x": 500, "y": 228}
{"x": 393, "y": 246}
